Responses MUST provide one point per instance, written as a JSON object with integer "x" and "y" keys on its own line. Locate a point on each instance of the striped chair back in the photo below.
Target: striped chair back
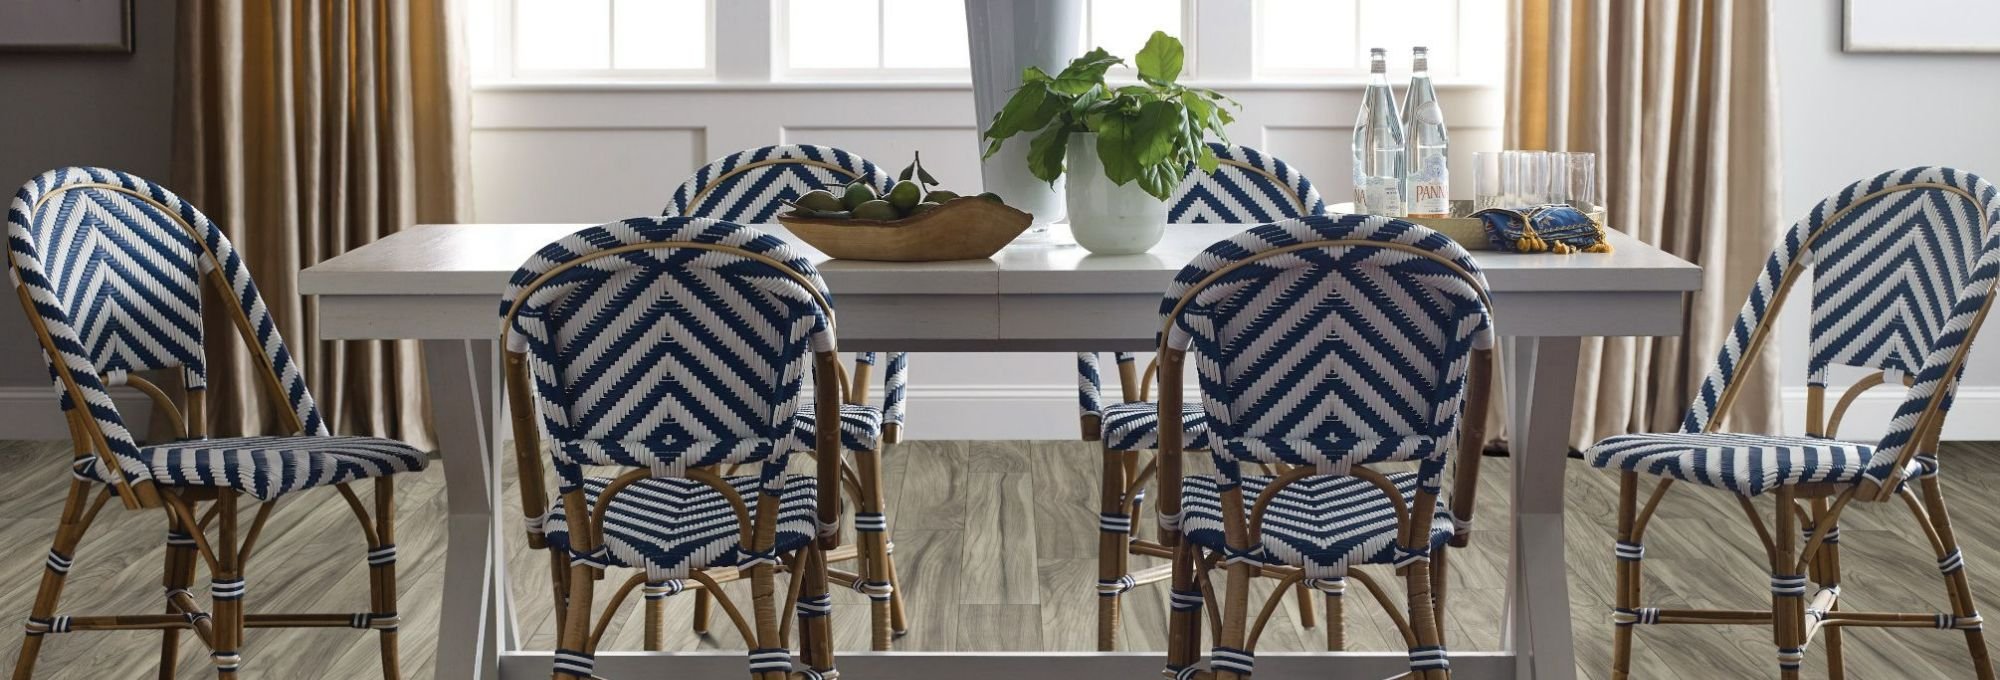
{"x": 1331, "y": 340}
{"x": 666, "y": 343}
{"x": 113, "y": 266}
{"x": 1247, "y": 187}
{"x": 752, "y": 186}
{"x": 1903, "y": 265}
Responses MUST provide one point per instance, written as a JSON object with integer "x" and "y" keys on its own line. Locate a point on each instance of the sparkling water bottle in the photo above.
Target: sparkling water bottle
{"x": 1429, "y": 190}
{"x": 1379, "y": 160}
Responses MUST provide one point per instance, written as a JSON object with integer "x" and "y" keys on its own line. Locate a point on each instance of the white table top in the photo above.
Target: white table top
{"x": 477, "y": 259}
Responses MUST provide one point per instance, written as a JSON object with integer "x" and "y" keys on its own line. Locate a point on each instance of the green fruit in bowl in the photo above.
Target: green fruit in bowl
{"x": 876, "y": 210}
{"x": 940, "y": 196}
{"x": 831, "y": 214}
{"x": 923, "y": 207}
{"x": 992, "y": 197}
{"x": 818, "y": 201}
{"x": 857, "y": 194}
{"x": 905, "y": 195}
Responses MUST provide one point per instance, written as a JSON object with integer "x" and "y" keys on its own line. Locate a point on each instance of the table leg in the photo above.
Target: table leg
{"x": 1541, "y": 382}
{"x": 468, "y": 629}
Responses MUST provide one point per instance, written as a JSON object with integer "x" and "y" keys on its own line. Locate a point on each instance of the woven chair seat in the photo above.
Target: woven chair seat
{"x": 1748, "y": 464}
{"x": 267, "y": 467}
{"x": 669, "y": 525}
{"x": 860, "y": 428}
{"x": 1323, "y": 523}
{"x": 1135, "y": 426}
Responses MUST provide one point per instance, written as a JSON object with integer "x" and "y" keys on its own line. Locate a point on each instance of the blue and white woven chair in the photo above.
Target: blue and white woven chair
{"x": 752, "y": 187}
{"x": 110, "y": 269}
{"x": 1247, "y": 187}
{"x": 674, "y": 347}
{"x": 1902, "y": 268}
{"x": 1332, "y": 344}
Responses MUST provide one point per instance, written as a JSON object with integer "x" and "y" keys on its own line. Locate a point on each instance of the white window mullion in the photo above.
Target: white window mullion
{"x": 742, "y": 40}
{"x": 1223, "y": 35}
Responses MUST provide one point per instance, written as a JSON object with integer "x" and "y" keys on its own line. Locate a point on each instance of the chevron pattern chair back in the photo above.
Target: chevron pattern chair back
{"x": 114, "y": 266}
{"x": 1247, "y": 187}
{"x": 752, "y": 186}
{"x": 667, "y": 343}
{"x": 1330, "y": 341}
{"x": 1903, "y": 265}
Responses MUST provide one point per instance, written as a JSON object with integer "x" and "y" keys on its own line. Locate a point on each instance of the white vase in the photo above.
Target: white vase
{"x": 1006, "y": 36}
{"x": 1105, "y": 217}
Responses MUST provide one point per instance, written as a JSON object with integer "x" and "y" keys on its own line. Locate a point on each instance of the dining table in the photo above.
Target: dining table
{"x": 440, "y": 284}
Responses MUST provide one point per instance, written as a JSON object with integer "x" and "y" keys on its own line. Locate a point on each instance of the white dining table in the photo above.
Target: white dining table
{"x": 440, "y": 284}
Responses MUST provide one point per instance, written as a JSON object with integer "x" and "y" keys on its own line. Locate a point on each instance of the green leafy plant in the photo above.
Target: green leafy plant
{"x": 1148, "y": 132}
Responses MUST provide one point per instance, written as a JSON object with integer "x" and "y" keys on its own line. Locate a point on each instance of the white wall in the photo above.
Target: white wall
{"x": 593, "y": 154}
{"x": 111, "y": 110}
{"x": 1850, "y": 116}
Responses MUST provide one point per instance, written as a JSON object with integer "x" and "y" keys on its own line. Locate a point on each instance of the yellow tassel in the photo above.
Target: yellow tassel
{"x": 1524, "y": 244}
{"x": 1563, "y": 248}
{"x": 1599, "y": 247}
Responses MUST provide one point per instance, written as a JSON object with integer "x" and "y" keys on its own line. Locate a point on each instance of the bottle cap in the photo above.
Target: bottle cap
{"x": 1422, "y": 59}
{"x": 1377, "y": 60}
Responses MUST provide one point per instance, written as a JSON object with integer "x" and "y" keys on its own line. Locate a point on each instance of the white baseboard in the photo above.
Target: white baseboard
{"x": 30, "y": 413}
{"x": 1971, "y": 417}
{"x": 1049, "y": 412}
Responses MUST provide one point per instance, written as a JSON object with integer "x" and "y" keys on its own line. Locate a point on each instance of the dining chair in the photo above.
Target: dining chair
{"x": 1248, "y": 186}
{"x": 111, "y": 270}
{"x": 669, "y": 348}
{"x": 1339, "y": 346}
{"x": 1902, "y": 269}
{"x": 752, "y": 186}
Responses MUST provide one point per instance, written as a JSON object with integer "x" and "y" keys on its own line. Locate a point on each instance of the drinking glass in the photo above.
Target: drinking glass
{"x": 1486, "y": 179}
{"x": 1532, "y": 171}
{"x": 1577, "y": 171}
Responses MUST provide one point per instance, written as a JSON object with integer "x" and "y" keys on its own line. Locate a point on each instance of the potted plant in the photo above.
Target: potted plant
{"x": 1127, "y": 148}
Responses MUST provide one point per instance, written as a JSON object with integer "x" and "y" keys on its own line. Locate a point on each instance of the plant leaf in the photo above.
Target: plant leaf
{"x": 1155, "y": 131}
{"x": 1207, "y": 159}
{"x": 1161, "y": 59}
{"x": 1031, "y": 108}
{"x": 1117, "y": 149}
{"x": 1045, "y": 153}
{"x": 1085, "y": 72}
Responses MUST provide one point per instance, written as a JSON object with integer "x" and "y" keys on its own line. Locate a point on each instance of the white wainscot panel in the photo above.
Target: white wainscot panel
{"x": 579, "y": 175}
{"x": 951, "y": 154}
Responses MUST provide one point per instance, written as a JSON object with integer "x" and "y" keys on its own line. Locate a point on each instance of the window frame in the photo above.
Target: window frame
{"x": 507, "y": 69}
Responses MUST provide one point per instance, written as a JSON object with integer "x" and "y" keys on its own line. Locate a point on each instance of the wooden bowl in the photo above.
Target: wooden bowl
{"x": 964, "y": 228}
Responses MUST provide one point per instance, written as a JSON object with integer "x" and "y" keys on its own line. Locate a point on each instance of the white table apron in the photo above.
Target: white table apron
{"x": 440, "y": 284}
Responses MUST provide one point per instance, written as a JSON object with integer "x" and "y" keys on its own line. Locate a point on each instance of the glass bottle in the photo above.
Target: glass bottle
{"x": 1379, "y": 160}
{"x": 1429, "y": 192}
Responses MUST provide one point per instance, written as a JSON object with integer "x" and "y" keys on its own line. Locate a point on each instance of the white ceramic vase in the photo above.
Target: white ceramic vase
{"x": 1107, "y": 218}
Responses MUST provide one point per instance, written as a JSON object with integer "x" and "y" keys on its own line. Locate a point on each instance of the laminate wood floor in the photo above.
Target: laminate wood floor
{"x": 996, "y": 543}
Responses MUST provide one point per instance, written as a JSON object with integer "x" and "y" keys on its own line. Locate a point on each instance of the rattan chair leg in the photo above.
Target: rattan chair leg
{"x": 1423, "y": 609}
{"x": 899, "y": 616}
{"x": 1826, "y": 574}
{"x": 69, "y": 532}
{"x": 880, "y": 588}
{"x": 1957, "y": 587}
{"x": 1438, "y": 569}
{"x": 704, "y": 610}
{"x": 559, "y": 584}
{"x": 382, "y": 576}
{"x": 764, "y": 605}
{"x": 1112, "y": 538}
{"x": 1788, "y": 590}
{"x": 1236, "y": 594}
{"x": 1336, "y": 623}
{"x": 1626, "y": 572}
{"x": 1305, "y": 595}
{"x": 228, "y": 649}
{"x": 815, "y": 628}
{"x": 179, "y": 575}
{"x": 1184, "y": 617}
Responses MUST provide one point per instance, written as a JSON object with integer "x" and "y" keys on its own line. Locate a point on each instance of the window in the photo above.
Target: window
{"x": 557, "y": 39}
{"x": 874, "y": 38}
{"x": 1299, "y": 39}
{"x": 877, "y": 40}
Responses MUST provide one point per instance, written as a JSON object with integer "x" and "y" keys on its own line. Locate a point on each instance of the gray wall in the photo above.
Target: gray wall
{"x": 1850, "y": 116}
{"x": 111, "y": 110}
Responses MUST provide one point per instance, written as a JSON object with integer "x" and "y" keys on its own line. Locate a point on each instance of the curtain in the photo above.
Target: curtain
{"x": 307, "y": 128}
{"x": 1678, "y": 98}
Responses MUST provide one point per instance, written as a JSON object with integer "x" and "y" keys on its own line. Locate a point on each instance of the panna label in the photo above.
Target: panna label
{"x": 1430, "y": 184}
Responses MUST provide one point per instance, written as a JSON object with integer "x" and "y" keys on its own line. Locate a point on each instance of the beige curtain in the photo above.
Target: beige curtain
{"x": 1679, "y": 100}
{"x": 307, "y": 128}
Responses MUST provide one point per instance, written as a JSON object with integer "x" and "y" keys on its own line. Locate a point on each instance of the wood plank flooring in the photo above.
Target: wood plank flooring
{"x": 996, "y": 543}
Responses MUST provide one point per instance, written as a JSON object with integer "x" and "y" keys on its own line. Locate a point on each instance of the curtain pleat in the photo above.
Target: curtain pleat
{"x": 307, "y": 128}
{"x": 1678, "y": 98}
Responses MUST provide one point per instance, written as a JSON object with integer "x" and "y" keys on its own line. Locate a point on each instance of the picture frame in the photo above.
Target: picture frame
{"x": 89, "y": 26}
{"x": 1921, "y": 26}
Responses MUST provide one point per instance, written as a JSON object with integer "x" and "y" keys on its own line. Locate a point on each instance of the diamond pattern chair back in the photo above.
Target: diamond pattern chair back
{"x": 114, "y": 266}
{"x": 1247, "y": 187}
{"x": 752, "y": 186}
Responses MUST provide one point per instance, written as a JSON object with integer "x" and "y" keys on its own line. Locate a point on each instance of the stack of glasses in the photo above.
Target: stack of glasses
{"x": 1524, "y": 179}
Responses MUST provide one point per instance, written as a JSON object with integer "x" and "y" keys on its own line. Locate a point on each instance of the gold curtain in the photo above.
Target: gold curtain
{"x": 307, "y": 128}
{"x": 1678, "y": 98}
